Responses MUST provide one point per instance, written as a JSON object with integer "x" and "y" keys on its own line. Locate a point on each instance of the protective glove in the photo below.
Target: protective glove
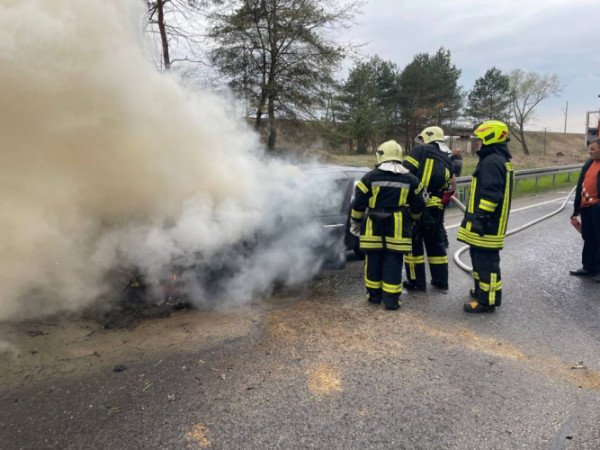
{"x": 477, "y": 228}
{"x": 355, "y": 228}
{"x": 479, "y": 223}
{"x": 447, "y": 197}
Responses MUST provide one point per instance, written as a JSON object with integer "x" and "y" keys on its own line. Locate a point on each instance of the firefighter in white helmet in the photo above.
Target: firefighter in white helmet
{"x": 386, "y": 202}
{"x": 430, "y": 162}
{"x": 486, "y": 217}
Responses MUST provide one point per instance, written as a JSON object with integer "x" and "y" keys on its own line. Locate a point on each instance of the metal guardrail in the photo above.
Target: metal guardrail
{"x": 463, "y": 183}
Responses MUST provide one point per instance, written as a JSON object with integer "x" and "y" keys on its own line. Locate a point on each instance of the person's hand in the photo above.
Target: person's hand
{"x": 355, "y": 228}
{"x": 576, "y": 223}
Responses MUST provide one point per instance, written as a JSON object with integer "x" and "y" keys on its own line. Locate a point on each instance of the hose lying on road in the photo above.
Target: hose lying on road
{"x": 461, "y": 250}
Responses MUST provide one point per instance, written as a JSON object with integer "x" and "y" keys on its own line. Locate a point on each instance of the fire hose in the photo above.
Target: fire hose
{"x": 461, "y": 250}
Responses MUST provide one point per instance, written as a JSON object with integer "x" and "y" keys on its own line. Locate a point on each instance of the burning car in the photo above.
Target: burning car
{"x": 326, "y": 222}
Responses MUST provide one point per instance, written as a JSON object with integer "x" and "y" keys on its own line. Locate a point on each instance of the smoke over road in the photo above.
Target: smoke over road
{"x": 108, "y": 163}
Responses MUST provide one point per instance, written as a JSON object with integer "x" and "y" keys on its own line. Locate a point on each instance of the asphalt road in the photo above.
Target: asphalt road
{"x": 317, "y": 367}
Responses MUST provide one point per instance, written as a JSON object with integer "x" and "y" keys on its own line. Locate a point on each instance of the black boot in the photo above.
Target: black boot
{"x": 391, "y": 301}
{"x": 414, "y": 286}
{"x": 476, "y": 307}
{"x": 373, "y": 299}
{"x": 440, "y": 284}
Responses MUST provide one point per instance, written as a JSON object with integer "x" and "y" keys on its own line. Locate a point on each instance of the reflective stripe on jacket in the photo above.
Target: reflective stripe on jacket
{"x": 393, "y": 200}
{"x": 489, "y": 199}
{"x": 434, "y": 168}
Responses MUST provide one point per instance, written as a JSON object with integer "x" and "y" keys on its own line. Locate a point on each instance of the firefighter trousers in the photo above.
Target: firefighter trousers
{"x": 383, "y": 277}
{"x": 486, "y": 276}
{"x": 590, "y": 231}
{"x": 429, "y": 235}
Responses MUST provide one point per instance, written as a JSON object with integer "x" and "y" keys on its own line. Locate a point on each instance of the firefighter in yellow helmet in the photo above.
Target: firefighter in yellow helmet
{"x": 386, "y": 201}
{"x": 430, "y": 162}
{"x": 486, "y": 217}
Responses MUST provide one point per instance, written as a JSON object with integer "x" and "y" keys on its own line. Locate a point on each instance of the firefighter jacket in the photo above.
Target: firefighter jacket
{"x": 584, "y": 169}
{"x": 434, "y": 168}
{"x": 394, "y": 198}
{"x": 484, "y": 224}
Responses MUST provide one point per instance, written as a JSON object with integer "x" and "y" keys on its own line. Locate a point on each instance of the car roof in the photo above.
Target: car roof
{"x": 333, "y": 169}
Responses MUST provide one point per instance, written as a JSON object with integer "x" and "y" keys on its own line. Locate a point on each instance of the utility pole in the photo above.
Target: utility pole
{"x": 566, "y": 112}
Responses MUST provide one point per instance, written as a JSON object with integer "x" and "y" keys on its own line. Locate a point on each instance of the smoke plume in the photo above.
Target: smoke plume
{"x": 109, "y": 164}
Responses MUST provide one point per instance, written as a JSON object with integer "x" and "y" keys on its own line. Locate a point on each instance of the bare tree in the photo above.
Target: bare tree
{"x": 179, "y": 28}
{"x": 527, "y": 90}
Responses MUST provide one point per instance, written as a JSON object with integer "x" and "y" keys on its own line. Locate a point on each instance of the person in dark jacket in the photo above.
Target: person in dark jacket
{"x": 456, "y": 162}
{"x": 587, "y": 206}
{"x": 430, "y": 162}
{"x": 387, "y": 200}
{"x": 486, "y": 217}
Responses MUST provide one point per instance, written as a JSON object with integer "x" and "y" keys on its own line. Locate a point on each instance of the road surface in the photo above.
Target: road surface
{"x": 317, "y": 367}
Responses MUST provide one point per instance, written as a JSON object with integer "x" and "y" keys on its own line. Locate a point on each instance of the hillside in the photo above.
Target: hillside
{"x": 305, "y": 141}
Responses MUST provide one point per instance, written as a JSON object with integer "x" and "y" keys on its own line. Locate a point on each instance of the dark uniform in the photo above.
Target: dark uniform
{"x": 485, "y": 221}
{"x": 456, "y": 164}
{"x": 588, "y": 206}
{"x": 393, "y": 200}
{"x": 434, "y": 168}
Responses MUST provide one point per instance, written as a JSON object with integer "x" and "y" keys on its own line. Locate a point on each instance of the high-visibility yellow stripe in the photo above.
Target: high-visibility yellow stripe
{"x": 373, "y": 199}
{"x": 391, "y": 240}
{"x": 403, "y": 197}
{"x": 373, "y": 284}
{"x": 411, "y": 262}
{"x": 493, "y": 242}
{"x": 368, "y": 229}
{"x": 427, "y": 172}
{"x": 392, "y": 288}
{"x": 506, "y": 202}
{"x": 412, "y": 160}
{"x": 420, "y": 187}
{"x": 434, "y": 202}
{"x": 357, "y": 214}
{"x": 471, "y": 206}
{"x": 371, "y": 246}
{"x": 476, "y": 275}
{"x": 475, "y": 238}
{"x": 437, "y": 259}
{"x": 360, "y": 185}
{"x": 493, "y": 289}
{"x": 399, "y": 247}
{"x": 487, "y": 205}
{"x": 415, "y": 216}
{"x": 414, "y": 259}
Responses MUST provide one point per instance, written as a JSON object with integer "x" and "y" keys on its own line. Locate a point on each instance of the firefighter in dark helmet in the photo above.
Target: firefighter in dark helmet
{"x": 486, "y": 217}
{"x": 387, "y": 201}
{"x": 430, "y": 162}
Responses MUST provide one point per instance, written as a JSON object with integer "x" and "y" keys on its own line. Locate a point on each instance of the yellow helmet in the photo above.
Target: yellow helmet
{"x": 491, "y": 131}
{"x": 389, "y": 151}
{"x": 430, "y": 134}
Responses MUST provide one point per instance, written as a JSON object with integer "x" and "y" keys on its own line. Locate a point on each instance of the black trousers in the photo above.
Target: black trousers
{"x": 383, "y": 276}
{"x": 428, "y": 234}
{"x": 590, "y": 231}
{"x": 486, "y": 275}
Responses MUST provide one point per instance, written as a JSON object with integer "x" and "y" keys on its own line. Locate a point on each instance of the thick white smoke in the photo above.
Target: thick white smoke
{"x": 107, "y": 163}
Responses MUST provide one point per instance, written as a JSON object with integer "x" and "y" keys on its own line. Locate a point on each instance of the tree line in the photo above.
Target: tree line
{"x": 281, "y": 58}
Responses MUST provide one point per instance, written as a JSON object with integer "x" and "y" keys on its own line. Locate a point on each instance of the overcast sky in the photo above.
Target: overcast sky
{"x": 549, "y": 36}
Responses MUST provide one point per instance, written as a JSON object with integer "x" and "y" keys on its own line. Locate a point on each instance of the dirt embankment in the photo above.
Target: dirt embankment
{"x": 308, "y": 141}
